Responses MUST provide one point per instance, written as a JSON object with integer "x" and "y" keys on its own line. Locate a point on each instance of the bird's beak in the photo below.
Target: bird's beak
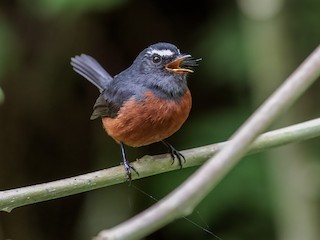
{"x": 175, "y": 65}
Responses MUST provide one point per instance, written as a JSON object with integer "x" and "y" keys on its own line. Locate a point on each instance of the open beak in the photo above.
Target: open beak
{"x": 175, "y": 65}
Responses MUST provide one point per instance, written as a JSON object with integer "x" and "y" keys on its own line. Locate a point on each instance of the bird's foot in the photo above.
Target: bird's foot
{"x": 175, "y": 154}
{"x": 127, "y": 165}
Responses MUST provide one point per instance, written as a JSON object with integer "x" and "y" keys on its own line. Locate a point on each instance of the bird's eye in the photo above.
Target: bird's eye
{"x": 156, "y": 59}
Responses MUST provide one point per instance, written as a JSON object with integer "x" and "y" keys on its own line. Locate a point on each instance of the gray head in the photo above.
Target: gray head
{"x": 162, "y": 68}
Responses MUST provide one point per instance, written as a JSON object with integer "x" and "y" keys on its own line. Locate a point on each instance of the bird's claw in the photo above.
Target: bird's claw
{"x": 128, "y": 167}
{"x": 175, "y": 154}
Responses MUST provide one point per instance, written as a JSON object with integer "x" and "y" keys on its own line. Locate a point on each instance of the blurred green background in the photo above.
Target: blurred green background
{"x": 248, "y": 48}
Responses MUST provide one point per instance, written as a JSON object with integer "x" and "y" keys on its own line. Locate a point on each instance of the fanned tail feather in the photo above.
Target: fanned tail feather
{"x": 90, "y": 69}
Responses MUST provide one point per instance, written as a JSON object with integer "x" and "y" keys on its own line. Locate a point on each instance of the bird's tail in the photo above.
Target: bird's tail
{"x": 90, "y": 69}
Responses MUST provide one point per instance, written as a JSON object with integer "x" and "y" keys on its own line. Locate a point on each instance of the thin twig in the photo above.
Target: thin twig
{"x": 184, "y": 199}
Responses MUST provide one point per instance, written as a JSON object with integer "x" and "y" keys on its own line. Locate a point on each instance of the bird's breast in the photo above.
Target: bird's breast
{"x": 142, "y": 122}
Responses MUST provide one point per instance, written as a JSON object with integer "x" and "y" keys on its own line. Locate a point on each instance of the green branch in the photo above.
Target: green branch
{"x": 147, "y": 166}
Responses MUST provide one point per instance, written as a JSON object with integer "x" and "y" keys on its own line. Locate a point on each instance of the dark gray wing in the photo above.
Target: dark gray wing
{"x": 105, "y": 108}
{"x": 111, "y": 100}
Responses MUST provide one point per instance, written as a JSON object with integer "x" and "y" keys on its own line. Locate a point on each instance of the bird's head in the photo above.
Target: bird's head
{"x": 163, "y": 68}
{"x": 165, "y": 59}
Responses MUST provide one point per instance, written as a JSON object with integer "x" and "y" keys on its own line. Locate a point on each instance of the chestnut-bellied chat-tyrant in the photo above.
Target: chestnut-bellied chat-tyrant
{"x": 147, "y": 102}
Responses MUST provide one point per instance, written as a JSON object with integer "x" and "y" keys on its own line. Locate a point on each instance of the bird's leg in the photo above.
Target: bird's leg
{"x": 174, "y": 153}
{"x": 126, "y": 164}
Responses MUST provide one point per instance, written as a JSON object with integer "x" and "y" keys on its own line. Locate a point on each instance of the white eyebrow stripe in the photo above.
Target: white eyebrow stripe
{"x": 164, "y": 52}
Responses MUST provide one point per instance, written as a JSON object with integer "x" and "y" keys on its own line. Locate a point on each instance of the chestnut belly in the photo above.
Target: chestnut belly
{"x": 148, "y": 121}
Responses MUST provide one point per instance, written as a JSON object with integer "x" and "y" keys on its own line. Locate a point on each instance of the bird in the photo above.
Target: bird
{"x": 145, "y": 103}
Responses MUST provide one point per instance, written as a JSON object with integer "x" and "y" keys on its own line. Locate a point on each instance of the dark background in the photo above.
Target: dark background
{"x": 46, "y": 134}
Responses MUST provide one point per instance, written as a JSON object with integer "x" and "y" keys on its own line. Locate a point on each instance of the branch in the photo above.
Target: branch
{"x": 148, "y": 166}
{"x": 185, "y": 198}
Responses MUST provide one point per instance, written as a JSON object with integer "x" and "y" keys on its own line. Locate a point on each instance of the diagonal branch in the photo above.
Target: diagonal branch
{"x": 185, "y": 198}
{"x": 148, "y": 166}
